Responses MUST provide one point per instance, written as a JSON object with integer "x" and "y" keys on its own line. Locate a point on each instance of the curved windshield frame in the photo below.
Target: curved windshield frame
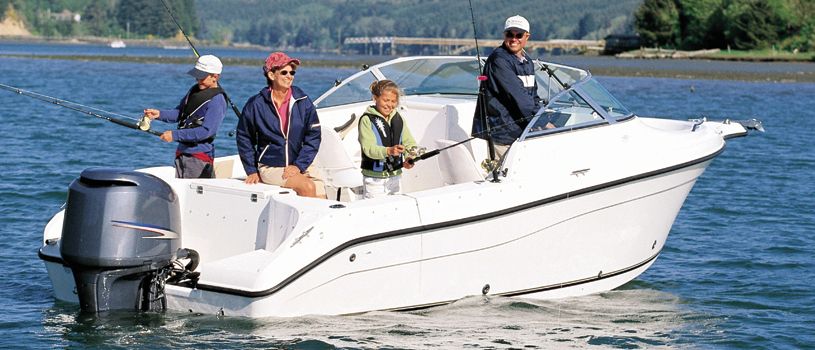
{"x": 585, "y": 104}
{"x": 414, "y": 75}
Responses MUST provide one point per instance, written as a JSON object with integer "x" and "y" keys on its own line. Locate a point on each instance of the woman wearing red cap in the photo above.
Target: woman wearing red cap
{"x": 278, "y": 134}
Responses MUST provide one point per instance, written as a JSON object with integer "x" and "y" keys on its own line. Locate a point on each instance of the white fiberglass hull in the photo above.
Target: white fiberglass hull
{"x": 585, "y": 244}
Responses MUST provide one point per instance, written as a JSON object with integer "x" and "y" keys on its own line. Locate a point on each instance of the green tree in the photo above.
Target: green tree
{"x": 657, "y": 22}
{"x": 99, "y": 19}
{"x": 752, "y": 24}
{"x": 699, "y": 23}
{"x": 587, "y": 24}
{"x": 149, "y": 17}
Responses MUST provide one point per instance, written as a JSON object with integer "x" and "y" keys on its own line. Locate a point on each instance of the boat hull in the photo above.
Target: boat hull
{"x": 585, "y": 244}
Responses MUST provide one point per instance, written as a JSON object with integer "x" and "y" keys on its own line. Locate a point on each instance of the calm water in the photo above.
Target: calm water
{"x": 736, "y": 272}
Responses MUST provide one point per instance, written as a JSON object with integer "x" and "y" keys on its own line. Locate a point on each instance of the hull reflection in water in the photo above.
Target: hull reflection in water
{"x": 579, "y": 209}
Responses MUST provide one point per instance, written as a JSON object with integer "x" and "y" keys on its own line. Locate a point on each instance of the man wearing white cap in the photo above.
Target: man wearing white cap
{"x": 510, "y": 89}
{"x": 199, "y": 115}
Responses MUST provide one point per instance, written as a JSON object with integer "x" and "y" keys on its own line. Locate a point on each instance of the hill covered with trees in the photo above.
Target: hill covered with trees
{"x": 737, "y": 24}
{"x": 321, "y": 25}
{"x": 103, "y": 18}
{"x": 324, "y": 24}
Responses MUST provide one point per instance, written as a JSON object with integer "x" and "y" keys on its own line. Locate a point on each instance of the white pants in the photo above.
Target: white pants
{"x": 378, "y": 187}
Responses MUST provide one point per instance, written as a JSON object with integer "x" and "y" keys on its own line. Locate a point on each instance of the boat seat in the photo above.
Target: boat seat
{"x": 336, "y": 167}
{"x": 457, "y": 165}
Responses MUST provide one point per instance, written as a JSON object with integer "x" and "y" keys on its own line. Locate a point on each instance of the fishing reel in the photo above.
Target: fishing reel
{"x": 416, "y": 151}
{"x": 489, "y": 165}
{"x": 144, "y": 123}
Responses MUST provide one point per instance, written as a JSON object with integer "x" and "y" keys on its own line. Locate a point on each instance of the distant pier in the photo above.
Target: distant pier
{"x": 390, "y": 45}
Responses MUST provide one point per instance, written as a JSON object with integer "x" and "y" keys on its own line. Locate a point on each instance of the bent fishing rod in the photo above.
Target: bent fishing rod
{"x": 125, "y": 121}
{"x": 228, "y": 100}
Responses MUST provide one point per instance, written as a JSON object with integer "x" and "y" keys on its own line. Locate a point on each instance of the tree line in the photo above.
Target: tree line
{"x": 324, "y": 24}
{"x": 737, "y": 24}
{"x": 105, "y": 18}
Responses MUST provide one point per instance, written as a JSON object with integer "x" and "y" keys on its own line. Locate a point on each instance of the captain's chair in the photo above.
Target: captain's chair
{"x": 334, "y": 164}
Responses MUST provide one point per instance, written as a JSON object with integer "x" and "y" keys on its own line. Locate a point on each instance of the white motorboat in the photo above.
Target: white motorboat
{"x": 117, "y": 44}
{"x": 582, "y": 208}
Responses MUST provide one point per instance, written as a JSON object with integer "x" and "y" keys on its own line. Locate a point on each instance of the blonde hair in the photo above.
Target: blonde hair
{"x": 380, "y": 86}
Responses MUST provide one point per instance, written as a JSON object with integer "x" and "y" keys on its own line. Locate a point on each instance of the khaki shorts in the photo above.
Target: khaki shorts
{"x": 274, "y": 176}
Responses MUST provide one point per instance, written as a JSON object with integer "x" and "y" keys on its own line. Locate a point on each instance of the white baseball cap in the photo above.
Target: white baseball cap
{"x": 206, "y": 64}
{"x": 516, "y": 22}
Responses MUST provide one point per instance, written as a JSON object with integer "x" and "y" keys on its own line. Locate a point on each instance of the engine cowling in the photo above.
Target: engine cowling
{"x": 121, "y": 230}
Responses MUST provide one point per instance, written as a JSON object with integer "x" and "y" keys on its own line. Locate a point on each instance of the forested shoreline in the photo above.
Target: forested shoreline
{"x": 317, "y": 25}
{"x": 324, "y": 25}
{"x": 738, "y": 24}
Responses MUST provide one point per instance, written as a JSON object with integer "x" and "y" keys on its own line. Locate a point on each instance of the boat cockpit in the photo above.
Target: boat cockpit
{"x": 438, "y": 103}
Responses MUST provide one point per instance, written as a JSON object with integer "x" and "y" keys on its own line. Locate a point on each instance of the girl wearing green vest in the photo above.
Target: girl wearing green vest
{"x": 383, "y": 137}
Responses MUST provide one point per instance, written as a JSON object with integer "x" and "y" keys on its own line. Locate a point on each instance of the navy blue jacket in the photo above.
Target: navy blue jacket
{"x": 259, "y": 137}
{"x": 510, "y": 102}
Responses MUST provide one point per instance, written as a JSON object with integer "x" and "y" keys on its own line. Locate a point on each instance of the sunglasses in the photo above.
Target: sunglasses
{"x": 287, "y": 72}
{"x": 510, "y": 35}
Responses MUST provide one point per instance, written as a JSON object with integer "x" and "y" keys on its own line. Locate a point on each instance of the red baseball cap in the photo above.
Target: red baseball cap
{"x": 277, "y": 60}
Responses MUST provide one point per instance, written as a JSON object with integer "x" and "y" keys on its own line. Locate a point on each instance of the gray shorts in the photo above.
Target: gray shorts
{"x": 189, "y": 167}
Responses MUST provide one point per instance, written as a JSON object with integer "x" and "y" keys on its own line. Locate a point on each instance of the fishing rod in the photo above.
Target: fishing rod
{"x": 420, "y": 155}
{"x": 480, "y": 103}
{"x": 170, "y": 11}
{"x": 491, "y": 166}
{"x": 131, "y": 123}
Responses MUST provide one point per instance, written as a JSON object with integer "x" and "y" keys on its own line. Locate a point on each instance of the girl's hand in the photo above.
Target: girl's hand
{"x": 395, "y": 150}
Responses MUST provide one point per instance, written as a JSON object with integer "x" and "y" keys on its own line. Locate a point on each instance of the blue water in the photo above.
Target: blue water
{"x": 736, "y": 271}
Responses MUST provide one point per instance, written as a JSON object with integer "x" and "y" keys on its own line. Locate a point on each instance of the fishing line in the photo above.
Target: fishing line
{"x": 131, "y": 123}
{"x": 179, "y": 28}
{"x": 226, "y": 97}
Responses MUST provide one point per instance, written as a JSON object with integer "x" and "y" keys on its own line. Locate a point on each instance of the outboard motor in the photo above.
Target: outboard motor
{"x": 119, "y": 237}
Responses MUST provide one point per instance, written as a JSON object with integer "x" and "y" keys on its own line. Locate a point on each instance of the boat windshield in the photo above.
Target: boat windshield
{"x": 585, "y": 104}
{"x": 415, "y": 76}
{"x": 354, "y": 89}
{"x": 604, "y": 99}
{"x": 443, "y": 77}
{"x": 553, "y": 79}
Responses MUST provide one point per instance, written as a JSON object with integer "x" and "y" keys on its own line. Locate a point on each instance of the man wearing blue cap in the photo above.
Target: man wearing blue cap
{"x": 199, "y": 115}
{"x": 511, "y": 93}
